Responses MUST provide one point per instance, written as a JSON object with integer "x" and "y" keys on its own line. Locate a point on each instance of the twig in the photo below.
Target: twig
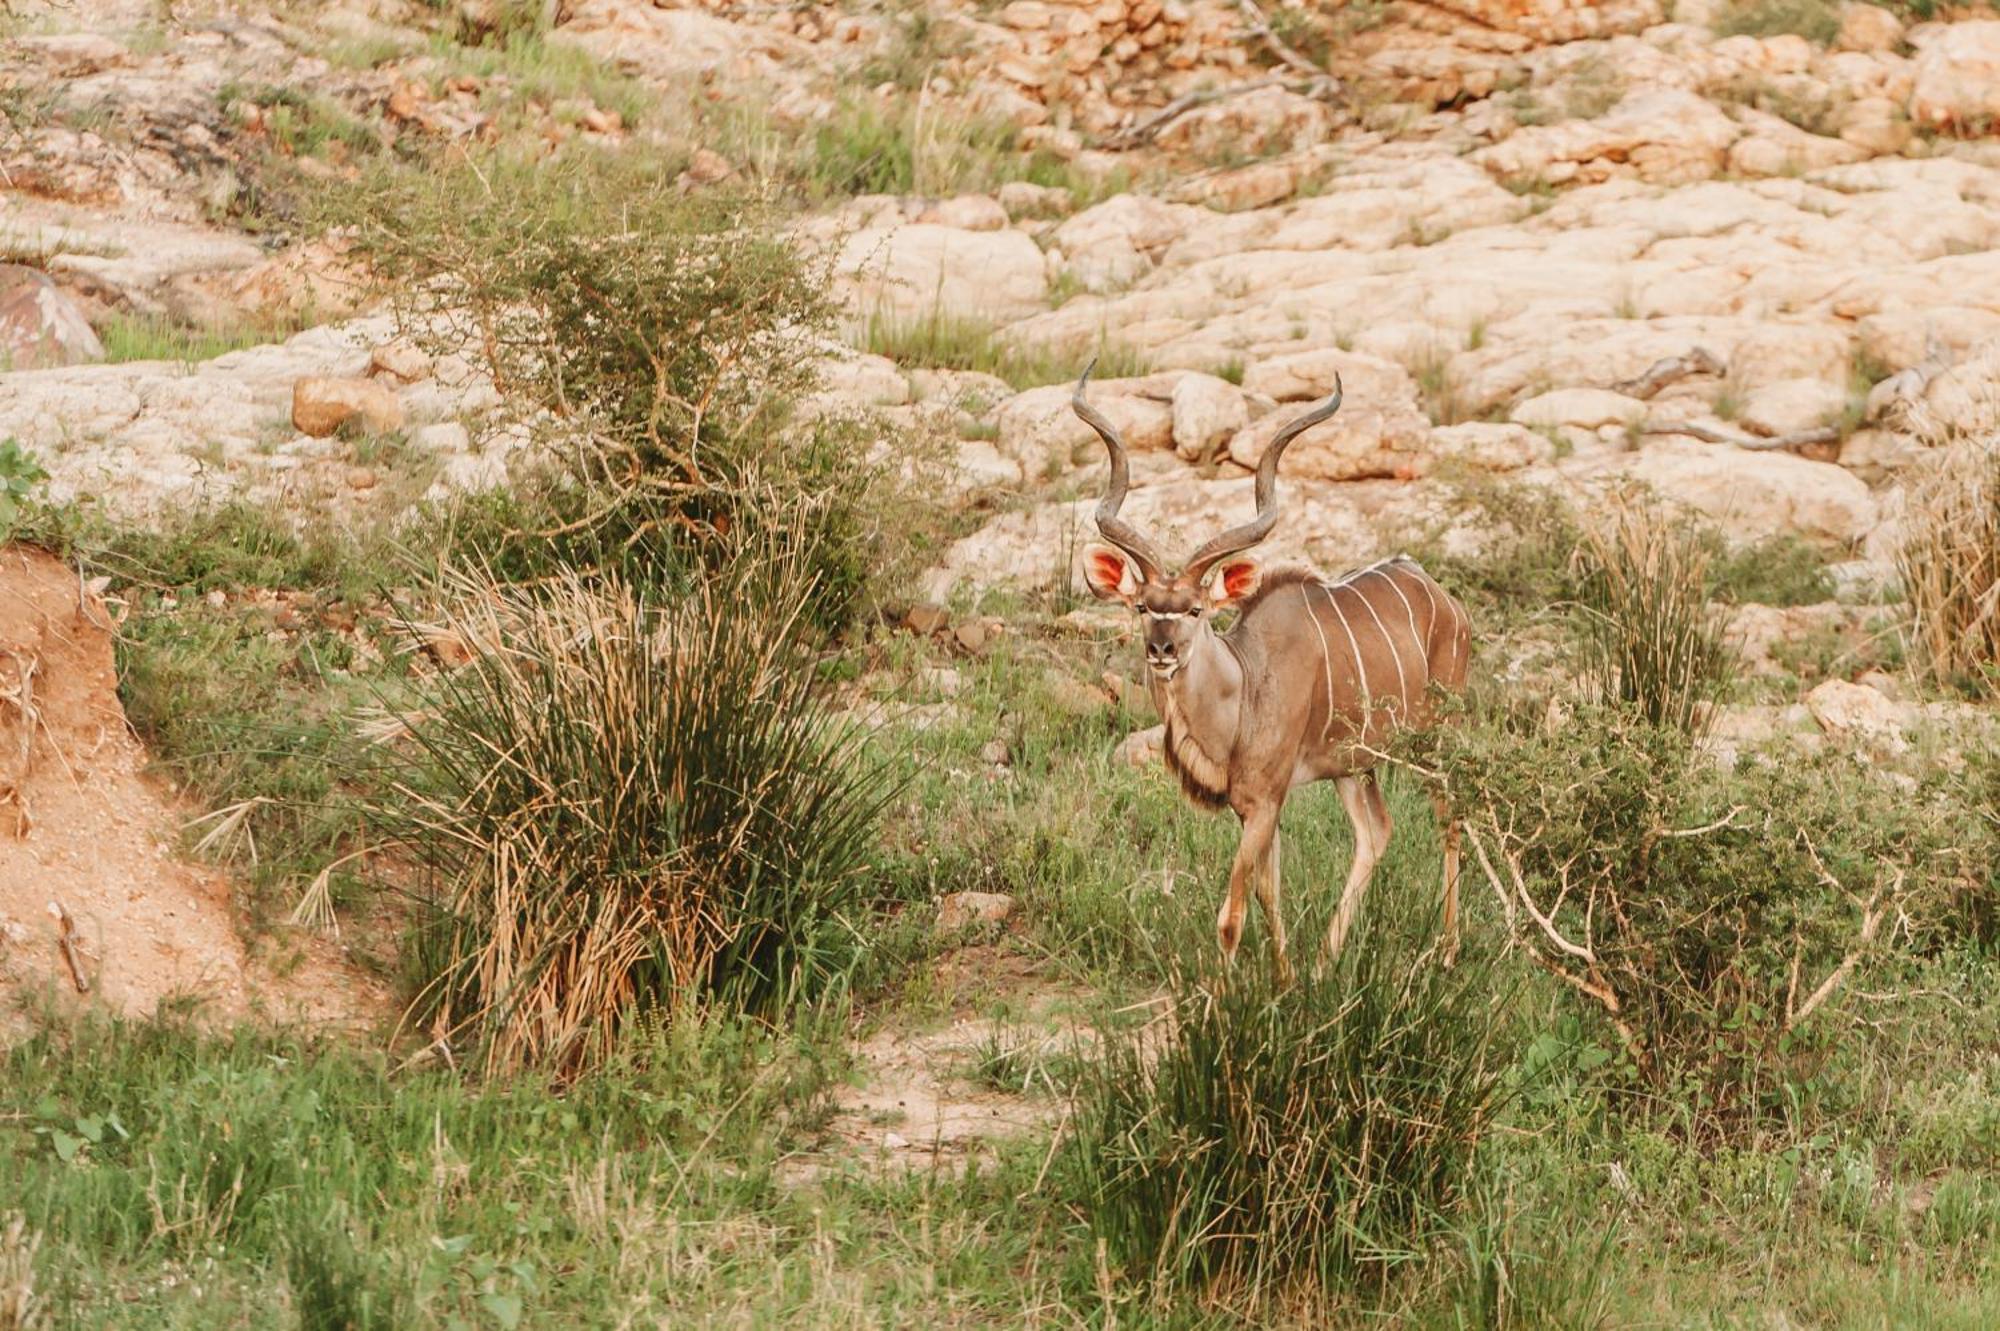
{"x": 1146, "y": 130}
{"x": 66, "y": 940}
{"x": 1819, "y": 434}
{"x": 1872, "y": 915}
{"x": 1261, "y": 27}
{"x": 1669, "y": 370}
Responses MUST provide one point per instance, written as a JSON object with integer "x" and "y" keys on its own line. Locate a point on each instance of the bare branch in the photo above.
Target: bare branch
{"x": 1872, "y": 914}
{"x": 1669, "y": 370}
{"x": 1819, "y": 434}
{"x": 1261, "y": 27}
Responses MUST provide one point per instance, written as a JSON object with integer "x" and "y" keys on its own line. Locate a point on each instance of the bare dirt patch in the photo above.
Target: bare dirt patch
{"x": 85, "y": 831}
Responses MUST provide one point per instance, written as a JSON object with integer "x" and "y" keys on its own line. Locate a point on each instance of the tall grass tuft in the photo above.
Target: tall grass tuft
{"x": 1290, "y": 1144}
{"x": 626, "y": 800}
{"x": 1652, "y": 639}
{"x": 1950, "y": 565}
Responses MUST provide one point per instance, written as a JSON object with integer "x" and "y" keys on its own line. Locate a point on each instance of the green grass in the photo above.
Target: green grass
{"x": 132, "y": 337}
{"x": 944, "y": 342}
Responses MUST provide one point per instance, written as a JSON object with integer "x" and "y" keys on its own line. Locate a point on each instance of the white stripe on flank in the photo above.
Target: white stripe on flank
{"x": 1326, "y": 659}
{"x": 1360, "y": 666}
{"x": 1402, "y": 680}
{"x": 1409, "y": 609}
{"x": 1430, "y": 596}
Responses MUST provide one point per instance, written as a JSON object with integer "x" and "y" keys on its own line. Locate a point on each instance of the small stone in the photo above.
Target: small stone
{"x": 400, "y": 359}
{"x": 216, "y": 599}
{"x": 321, "y": 406}
{"x": 1868, "y": 28}
{"x": 1141, "y": 748}
{"x": 705, "y": 168}
{"x": 960, "y": 909}
{"x": 925, "y": 619}
{"x": 40, "y": 326}
{"x": 971, "y": 637}
{"x": 895, "y": 1141}
{"x": 941, "y": 680}
{"x": 361, "y": 478}
{"x": 968, "y": 212}
{"x": 1855, "y": 711}
{"x": 995, "y": 753}
{"x": 600, "y": 121}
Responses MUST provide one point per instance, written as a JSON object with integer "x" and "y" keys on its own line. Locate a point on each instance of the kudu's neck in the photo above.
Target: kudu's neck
{"x": 1202, "y": 697}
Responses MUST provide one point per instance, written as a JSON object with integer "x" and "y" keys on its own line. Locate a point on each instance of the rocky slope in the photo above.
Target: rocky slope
{"x": 1490, "y": 220}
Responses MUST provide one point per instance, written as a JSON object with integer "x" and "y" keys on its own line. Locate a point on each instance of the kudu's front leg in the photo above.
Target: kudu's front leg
{"x": 1260, "y": 833}
{"x": 1362, "y": 799}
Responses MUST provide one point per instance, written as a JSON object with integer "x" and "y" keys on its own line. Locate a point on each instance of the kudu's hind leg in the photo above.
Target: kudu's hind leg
{"x": 1450, "y": 828}
{"x": 1362, "y": 799}
{"x": 1274, "y": 918}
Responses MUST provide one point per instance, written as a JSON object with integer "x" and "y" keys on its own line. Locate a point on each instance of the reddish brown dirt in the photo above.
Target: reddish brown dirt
{"x": 83, "y": 827}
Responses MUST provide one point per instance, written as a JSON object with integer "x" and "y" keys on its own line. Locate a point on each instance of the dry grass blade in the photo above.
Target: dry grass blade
{"x": 1653, "y": 639}
{"x": 20, "y": 1309}
{"x": 1950, "y": 564}
{"x": 622, "y": 802}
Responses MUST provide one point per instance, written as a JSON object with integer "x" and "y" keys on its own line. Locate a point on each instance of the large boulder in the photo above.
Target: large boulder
{"x": 1039, "y": 430}
{"x": 1664, "y": 136}
{"x": 1207, "y": 413}
{"x": 1749, "y": 494}
{"x": 1379, "y": 431}
{"x": 40, "y": 326}
{"x": 1544, "y": 22}
{"x": 1957, "y": 74}
{"x": 923, "y": 271}
{"x": 1114, "y": 243}
{"x": 321, "y": 406}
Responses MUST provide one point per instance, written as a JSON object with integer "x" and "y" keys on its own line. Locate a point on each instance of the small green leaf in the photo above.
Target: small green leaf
{"x": 66, "y": 1145}
{"x": 506, "y": 1309}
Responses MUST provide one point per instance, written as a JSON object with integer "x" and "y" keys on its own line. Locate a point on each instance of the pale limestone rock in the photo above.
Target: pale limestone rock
{"x": 1748, "y": 494}
{"x": 1369, "y": 437}
{"x": 961, "y": 910}
{"x": 1662, "y": 136}
{"x": 1858, "y": 714}
{"x": 40, "y": 326}
{"x": 1114, "y": 243}
{"x": 1261, "y": 121}
{"x": 1957, "y": 73}
{"x": 1791, "y": 405}
{"x": 1038, "y": 428}
{"x": 322, "y": 406}
{"x": 968, "y": 212}
{"x": 864, "y": 381}
{"x": 1488, "y": 446}
{"x": 922, "y": 271}
{"x": 1207, "y": 413}
{"x": 403, "y": 360}
{"x": 1547, "y": 21}
{"x": 1141, "y": 748}
{"x": 978, "y": 465}
{"x": 673, "y": 46}
{"x": 1868, "y": 28}
{"x": 73, "y": 55}
{"x": 1759, "y": 632}
{"x": 1581, "y": 408}
{"x": 1877, "y": 455}
{"x": 1774, "y": 147}
{"x": 1023, "y": 199}
{"x": 1876, "y": 125}
{"x": 1366, "y": 380}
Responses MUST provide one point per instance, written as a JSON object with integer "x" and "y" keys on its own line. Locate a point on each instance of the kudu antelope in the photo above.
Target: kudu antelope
{"x": 1306, "y": 685}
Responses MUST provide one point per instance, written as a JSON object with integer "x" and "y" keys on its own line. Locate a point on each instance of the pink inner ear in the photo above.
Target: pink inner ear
{"x": 1238, "y": 580}
{"x": 1105, "y": 570}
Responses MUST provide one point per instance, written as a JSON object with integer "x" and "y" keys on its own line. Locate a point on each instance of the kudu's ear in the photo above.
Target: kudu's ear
{"x": 1234, "y": 579}
{"x": 1109, "y": 574}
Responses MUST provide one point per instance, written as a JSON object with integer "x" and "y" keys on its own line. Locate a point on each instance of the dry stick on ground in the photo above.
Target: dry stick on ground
{"x": 1261, "y": 27}
{"x": 1881, "y": 901}
{"x": 66, "y": 940}
{"x": 1819, "y": 434}
{"x": 1669, "y": 370}
{"x": 1146, "y": 130}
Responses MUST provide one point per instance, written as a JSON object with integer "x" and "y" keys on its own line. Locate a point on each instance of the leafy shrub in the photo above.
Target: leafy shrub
{"x": 1783, "y": 570}
{"x": 623, "y": 802}
{"x": 1950, "y": 565}
{"x": 659, "y": 342}
{"x": 1651, "y": 638}
{"x": 1705, "y": 915}
{"x": 1290, "y": 1143}
{"x": 20, "y": 473}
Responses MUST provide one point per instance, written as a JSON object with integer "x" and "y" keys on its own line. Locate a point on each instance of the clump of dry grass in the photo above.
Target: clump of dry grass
{"x": 624, "y": 802}
{"x": 1653, "y": 640}
{"x": 1950, "y": 564}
